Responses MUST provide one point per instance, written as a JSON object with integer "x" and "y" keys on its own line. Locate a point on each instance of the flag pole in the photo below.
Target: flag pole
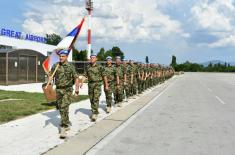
{"x": 50, "y": 77}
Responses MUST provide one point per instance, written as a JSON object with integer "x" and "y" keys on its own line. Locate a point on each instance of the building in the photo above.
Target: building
{"x": 21, "y": 57}
{"x": 21, "y": 66}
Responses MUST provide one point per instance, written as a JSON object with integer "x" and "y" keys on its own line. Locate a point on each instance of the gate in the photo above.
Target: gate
{"x": 27, "y": 69}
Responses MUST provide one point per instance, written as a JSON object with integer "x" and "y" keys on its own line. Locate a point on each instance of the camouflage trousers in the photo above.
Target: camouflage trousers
{"x": 140, "y": 88}
{"x": 119, "y": 92}
{"x": 108, "y": 94}
{"x": 63, "y": 98}
{"x": 148, "y": 83}
{"x": 151, "y": 82}
{"x": 143, "y": 85}
{"x": 155, "y": 81}
{"x": 127, "y": 90}
{"x": 94, "y": 92}
{"x": 133, "y": 88}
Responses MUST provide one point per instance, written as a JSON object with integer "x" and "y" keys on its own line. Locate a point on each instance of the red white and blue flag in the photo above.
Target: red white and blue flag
{"x": 65, "y": 44}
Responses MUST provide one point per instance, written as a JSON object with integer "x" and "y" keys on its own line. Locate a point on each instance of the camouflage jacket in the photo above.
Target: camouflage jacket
{"x": 65, "y": 75}
{"x": 94, "y": 73}
{"x": 134, "y": 71}
{"x": 110, "y": 73}
{"x": 127, "y": 71}
{"x": 120, "y": 71}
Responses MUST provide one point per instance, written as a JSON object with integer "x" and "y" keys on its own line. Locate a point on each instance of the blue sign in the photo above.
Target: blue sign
{"x": 19, "y": 35}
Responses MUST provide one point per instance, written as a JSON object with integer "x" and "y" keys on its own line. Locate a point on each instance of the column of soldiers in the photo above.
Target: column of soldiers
{"x": 122, "y": 81}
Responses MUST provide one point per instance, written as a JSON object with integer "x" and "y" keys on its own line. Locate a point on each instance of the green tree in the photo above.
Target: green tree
{"x": 5, "y": 47}
{"x": 53, "y": 39}
{"x": 82, "y": 55}
{"x": 101, "y": 55}
{"x": 109, "y": 53}
{"x": 116, "y": 51}
{"x": 173, "y": 61}
{"x": 147, "y": 59}
{"x": 210, "y": 65}
{"x": 75, "y": 54}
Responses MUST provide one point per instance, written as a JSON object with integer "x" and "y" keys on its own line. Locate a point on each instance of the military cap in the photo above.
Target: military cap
{"x": 108, "y": 58}
{"x": 118, "y": 57}
{"x": 63, "y": 52}
{"x": 93, "y": 55}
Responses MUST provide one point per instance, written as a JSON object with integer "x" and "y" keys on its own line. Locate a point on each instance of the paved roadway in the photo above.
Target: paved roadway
{"x": 194, "y": 115}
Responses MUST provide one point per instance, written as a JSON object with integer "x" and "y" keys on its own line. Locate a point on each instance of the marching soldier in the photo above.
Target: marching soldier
{"x": 119, "y": 90}
{"x": 94, "y": 74}
{"x": 139, "y": 77}
{"x": 109, "y": 75}
{"x": 133, "y": 79}
{"x": 65, "y": 77}
{"x": 126, "y": 67}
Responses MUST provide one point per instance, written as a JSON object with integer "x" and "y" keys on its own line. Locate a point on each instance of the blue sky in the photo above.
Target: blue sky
{"x": 194, "y": 30}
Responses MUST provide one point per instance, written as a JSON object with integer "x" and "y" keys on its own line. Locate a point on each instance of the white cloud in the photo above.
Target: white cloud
{"x": 209, "y": 17}
{"x": 117, "y": 20}
{"x": 217, "y": 18}
{"x": 228, "y": 41}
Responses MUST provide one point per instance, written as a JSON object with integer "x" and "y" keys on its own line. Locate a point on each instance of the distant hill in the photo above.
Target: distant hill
{"x": 205, "y": 64}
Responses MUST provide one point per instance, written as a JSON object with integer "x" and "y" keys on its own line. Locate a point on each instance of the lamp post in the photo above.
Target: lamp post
{"x": 89, "y": 8}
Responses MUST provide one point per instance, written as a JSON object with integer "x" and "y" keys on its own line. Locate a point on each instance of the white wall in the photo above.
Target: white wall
{"x": 26, "y": 44}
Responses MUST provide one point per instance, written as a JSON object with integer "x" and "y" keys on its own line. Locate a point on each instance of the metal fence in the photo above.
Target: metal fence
{"x": 82, "y": 65}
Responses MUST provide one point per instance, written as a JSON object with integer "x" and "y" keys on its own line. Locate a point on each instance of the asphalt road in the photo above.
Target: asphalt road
{"x": 194, "y": 115}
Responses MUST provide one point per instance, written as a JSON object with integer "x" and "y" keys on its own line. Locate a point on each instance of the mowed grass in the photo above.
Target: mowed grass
{"x": 28, "y": 104}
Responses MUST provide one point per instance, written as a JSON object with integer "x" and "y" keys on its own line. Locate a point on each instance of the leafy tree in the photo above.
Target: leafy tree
{"x": 53, "y": 39}
{"x": 147, "y": 59}
{"x": 210, "y": 64}
{"x": 5, "y": 47}
{"x": 101, "y": 55}
{"x": 116, "y": 51}
{"x": 82, "y": 55}
{"x": 173, "y": 61}
{"x": 75, "y": 54}
{"x": 109, "y": 53}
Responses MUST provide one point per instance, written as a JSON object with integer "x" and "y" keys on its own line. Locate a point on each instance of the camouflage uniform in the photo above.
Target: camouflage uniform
{"x": 151, "y": 76}
{"x": 133, "y": 85}
{"x": 64, "y": 80}
{"x": 127, "y": 84}
{"x": 145, "y": 77}
{"x": 139, "y": 80}
{"x": 148, "y": 76}
{"x": 119, "y": 90}
{"x": 110, "y": 73}
{"x": 94, "y": 73}
{"x": 142, "y": 76}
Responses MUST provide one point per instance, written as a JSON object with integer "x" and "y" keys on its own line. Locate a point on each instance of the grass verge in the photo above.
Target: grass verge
{"x": 29, "y": 103}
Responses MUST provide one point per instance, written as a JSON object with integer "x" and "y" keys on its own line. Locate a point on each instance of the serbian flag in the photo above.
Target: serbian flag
{"x": 65, "y": 44}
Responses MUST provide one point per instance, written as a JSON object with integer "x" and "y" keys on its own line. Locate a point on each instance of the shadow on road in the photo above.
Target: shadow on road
{"x": 84, "y": 111}
{"x": 53, "y": 118}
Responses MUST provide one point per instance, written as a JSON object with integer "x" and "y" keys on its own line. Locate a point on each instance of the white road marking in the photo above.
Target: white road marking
{"x": 114, "y": 133}
{"x": 220, "y": 100}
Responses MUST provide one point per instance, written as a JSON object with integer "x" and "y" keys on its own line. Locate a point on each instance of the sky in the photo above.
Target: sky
{"x": 193, "y": 30}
